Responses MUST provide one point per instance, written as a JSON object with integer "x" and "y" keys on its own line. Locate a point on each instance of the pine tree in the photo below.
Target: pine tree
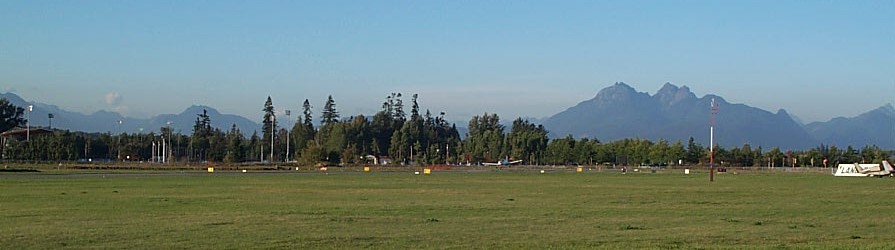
{"x": 269, "y": 125}
{"x": 303, "y": 132}
{"x": 306, "y": 112}
{"x": 330, "y": 114}
{"x": 414, "y": 108}
{"x": 398, "y": 108}
{"x": 200, "y": 141}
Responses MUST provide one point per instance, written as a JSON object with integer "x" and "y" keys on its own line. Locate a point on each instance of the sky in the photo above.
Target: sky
{"x": 816, "y": 59}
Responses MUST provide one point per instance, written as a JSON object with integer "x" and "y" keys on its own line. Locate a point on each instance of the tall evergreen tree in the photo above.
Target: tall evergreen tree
{"x": 200, "y": 140}
{"x": 269, "y": 125}
{"x": 303, "y": 132}
{"x": 329, "y": 114}
{"x": 414, "y": 108}
{"x": 308, "y": 118}
{"x": 398, "y": 108}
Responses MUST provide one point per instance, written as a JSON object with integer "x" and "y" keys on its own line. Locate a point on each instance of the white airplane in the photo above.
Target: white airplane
{"x": 878, "y": 170}
{"x": 504, "y": 162}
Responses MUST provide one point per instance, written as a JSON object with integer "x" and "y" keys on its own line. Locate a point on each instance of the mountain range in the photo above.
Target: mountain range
{"x": 616, "y": 112}
{"x": 676, "y": 113}
{"x": 106, "y": 121}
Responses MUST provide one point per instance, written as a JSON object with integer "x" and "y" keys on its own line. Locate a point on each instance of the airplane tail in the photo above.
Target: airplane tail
{"x": 888, "y": 167}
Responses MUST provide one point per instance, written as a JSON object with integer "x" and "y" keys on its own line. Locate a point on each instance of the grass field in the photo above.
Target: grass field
{"x": 508, "y": 210}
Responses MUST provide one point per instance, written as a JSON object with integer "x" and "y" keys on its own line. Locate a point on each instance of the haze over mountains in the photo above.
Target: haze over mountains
{"x": 616, "y": 112}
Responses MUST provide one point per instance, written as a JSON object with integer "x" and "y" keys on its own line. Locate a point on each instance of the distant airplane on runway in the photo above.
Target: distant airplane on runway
{"x": 505, "y": 162}
{"x": 878, "y": 170}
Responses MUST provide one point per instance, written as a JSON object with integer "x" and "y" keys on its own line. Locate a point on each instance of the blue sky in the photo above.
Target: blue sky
{"x": 816, "y": 59}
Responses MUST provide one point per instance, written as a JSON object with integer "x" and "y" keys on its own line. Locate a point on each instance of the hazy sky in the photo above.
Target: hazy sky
{"x": 816, "y": 59}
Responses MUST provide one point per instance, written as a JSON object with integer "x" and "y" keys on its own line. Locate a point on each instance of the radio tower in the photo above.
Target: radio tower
{"x": 714, "y": 110}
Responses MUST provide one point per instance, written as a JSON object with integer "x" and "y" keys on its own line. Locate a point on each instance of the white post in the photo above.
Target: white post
{"x": 164, "y": 148}
{"x": 28, "y": 124}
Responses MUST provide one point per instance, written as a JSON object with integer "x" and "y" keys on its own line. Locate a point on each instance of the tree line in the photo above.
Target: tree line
{"x": 393, "y": 136}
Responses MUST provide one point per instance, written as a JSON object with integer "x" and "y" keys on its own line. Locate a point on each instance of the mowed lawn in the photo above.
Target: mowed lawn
{"x": 446, "y": 210}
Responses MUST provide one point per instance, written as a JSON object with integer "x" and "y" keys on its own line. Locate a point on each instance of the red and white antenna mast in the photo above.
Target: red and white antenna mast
{"x": 714, "y": 110}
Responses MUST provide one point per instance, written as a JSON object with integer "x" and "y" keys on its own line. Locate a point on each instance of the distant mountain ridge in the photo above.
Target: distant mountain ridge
{"x": 675, "y": 113}
{"x": 616, "y": 112}
{"x": 875, "y": 127}
{"x": 106, "y": 121}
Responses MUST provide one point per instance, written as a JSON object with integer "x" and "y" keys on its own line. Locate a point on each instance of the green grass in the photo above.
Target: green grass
{"x": 445, "y": 210}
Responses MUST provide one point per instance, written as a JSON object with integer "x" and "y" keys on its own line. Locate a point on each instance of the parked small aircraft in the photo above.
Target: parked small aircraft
{"x": 504, "y": 162}
{"x": 856, "y": 169}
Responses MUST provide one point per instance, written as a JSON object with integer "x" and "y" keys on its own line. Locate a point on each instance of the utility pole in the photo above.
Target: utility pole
{"x": 712, "y": 142}
{"x": 288, "y": 112}
{"x": 166, "y": 145}
{"x": 118, "y": 145}
{"x": 272, "y": 129}
{"x": 28, "y": 123}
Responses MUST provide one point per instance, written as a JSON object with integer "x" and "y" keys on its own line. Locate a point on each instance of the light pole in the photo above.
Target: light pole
{"x": 714, "y": 110}
{"x": 288, "y": 113}
{"x": 118, "y": 145}
{"x": 447, "y": 146}
{"x": 166, "y": 144}
{"x": 154, "y": 153}
{"x": 272, "y": 129}
{"x": 28, "y": 124}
